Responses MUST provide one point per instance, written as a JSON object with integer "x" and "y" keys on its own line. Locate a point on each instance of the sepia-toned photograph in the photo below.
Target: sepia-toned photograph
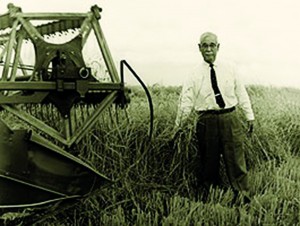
{"x": 149, "y": 113}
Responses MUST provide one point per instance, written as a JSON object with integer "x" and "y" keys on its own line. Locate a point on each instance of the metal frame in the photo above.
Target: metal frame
{"x": 12, "y": 87}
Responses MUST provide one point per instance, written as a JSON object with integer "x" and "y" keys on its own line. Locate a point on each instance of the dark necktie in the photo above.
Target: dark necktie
{"x": 214, "y": 84}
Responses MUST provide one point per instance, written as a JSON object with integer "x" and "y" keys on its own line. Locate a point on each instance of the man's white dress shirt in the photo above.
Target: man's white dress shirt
{"x": 197, "y": 93}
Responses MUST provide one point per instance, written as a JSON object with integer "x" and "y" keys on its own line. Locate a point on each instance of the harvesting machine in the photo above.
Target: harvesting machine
{"x": 42, "y": 104}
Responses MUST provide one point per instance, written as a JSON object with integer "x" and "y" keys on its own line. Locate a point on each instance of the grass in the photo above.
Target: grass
{"x": 154, "y": 181}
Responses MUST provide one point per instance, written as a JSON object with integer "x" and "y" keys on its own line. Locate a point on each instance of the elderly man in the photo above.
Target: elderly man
{"x": 214, "y": 91}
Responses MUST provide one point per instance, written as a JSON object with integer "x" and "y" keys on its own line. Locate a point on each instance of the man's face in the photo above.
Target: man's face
{"x": 209, "y": 48}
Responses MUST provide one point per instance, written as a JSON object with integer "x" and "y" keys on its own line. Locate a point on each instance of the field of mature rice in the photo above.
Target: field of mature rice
{"x": 154, "y": 183}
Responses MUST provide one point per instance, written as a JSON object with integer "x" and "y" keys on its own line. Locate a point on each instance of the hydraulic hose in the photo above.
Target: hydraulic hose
{"x": 122, "y": 63}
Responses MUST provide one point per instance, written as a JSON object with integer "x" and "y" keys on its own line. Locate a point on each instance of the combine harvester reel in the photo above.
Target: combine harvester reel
{"x": 46, "y": 99}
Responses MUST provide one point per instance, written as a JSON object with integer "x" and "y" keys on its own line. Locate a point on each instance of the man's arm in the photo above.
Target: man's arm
{"x": 244, "y": 103}
{"x": 243, "y": 98}
{"x": 185, "y": 104}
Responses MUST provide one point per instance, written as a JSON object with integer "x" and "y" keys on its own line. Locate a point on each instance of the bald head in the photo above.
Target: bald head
{"x": 209, "y": 35}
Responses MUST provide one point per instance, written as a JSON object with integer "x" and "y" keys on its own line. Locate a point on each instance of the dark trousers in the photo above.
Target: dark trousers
{"x": 222, "y": 134}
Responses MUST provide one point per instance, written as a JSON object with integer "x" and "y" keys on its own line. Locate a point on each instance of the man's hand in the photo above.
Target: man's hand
{"x": 176, "y": 132}
{"x": 250, "y": 127}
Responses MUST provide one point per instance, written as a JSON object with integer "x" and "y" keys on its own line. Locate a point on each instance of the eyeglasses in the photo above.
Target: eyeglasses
{"x": 206, "y": 46}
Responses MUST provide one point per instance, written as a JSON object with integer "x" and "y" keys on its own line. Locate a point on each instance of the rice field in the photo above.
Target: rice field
{"x": 154, "y": 181}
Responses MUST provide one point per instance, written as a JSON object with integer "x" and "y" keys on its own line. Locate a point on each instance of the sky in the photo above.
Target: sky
{"x": 159, "y": 38}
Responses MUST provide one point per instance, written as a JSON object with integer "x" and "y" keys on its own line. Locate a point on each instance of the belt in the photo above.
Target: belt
{"x": 217, "y": 112}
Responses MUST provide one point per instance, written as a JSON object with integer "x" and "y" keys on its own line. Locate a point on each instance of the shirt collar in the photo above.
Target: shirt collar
{"x": 216, "y": 63}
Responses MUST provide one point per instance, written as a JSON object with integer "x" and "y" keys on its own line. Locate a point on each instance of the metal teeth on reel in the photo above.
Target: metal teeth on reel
{"x": 59, "y": 26}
